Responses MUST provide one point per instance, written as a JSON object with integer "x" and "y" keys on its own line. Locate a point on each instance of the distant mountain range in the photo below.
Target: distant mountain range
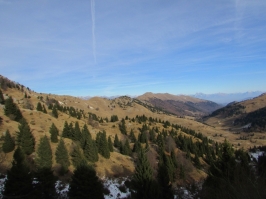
{"x": 225, "y": 98}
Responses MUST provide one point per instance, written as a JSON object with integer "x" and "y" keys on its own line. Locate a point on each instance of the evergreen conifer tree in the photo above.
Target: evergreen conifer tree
{"x": 10, "y": 106}
{"x": 126, "y": 148}
{"x": 45, "y": 186}
{"x": 11, "y": 110}
{"x": 61, "y": 156}
{"x": 116, "y": 141}
{"x": 165, "y": 175}
{"x": 173, "y": 158}
{"x": 50, "y": 106}
{"x": 137, "y": 146}
{"x": 44, "y": 109}
{"x": 9, "y": 144}
{"x": 85, "y": 134}
{"x": 123, "y": 127}
{"x": 110, "y": 144}
{"x": 143, "y": 170}
{"x": 2, "y": 99}
{"x": 77, "y": 157}
{"x": 19, "y": 179}
{"x": 143, "y": 184}
{"x": 85, "y": 184}
{"x": 90, "y": 151}
{"x": 102, "y": 144}
{"x": 77, "y": 132}
{"x": 44, "y": 154}
{"x": 197, "y": 161}
{"x": 66, "y": 131}
{"x": 54, "y": 112}
{"x": 39, "y": 107}
{"x": 54, "y": 133}
{"x": 71, "y": 131}
{"x": 132, "y": 136}
{"x": 25, "y": 138}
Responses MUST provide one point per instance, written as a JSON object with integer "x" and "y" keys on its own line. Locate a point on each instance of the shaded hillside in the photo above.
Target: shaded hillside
{"x": 256, "y": 118}
{"x": 179, "y": 105}
{"x": 238, "y": 114}
{"x": 228, "y": 111}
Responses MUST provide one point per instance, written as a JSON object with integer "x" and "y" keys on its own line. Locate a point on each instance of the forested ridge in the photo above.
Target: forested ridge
{"x": 164, "y": 155}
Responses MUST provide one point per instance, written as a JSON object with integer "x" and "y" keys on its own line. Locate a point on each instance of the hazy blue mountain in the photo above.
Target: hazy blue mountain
{"x": 225, "y": 98}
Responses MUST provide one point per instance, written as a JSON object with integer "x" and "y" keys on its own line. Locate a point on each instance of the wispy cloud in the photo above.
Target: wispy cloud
{"x": 140, "y": 44}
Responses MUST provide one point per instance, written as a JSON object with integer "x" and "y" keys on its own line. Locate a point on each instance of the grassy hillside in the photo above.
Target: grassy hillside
{"x": 184, "y": 134}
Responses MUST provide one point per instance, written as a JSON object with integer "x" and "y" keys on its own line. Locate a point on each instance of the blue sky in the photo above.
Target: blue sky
{"x": 119, "y": 47}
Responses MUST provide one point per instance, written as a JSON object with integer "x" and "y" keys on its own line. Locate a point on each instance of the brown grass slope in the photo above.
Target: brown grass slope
{"x": 224, "y": 119}
{"x": 180, "y": 105}
{"x": 117, "y": 165}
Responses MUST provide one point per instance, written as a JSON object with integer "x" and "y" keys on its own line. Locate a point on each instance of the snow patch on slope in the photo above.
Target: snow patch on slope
{"x": 117, "y": 188}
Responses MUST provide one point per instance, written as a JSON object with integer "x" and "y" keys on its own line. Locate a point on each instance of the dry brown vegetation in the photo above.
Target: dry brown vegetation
{"x": 117, "y": 165}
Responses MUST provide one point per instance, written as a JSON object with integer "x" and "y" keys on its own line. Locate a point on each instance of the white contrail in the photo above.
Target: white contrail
{"x": 93, "y": 29}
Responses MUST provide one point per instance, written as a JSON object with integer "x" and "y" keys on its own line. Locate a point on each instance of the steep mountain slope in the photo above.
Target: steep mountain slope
{"x": 180, "y": 105}
{"x": 248, "y": 113}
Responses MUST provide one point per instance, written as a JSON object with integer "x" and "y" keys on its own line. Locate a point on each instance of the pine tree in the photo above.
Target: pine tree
{"x": 11, "y": 110}
{"x": 102, "y": 144}
{"x": 22, "y": 124}
{"x": 77, "y": 133}
{"x": 66, "y": 131}
{"x": 173, "y": 158}
{"x": 132, "y": 136}
{"x": 44, "y": 154}
{"x": 85, "y": 134}
{"x": 165, "y": 175}
{"x": 25, "y": 138}
{"x": 50, "y": 106}
{"x": 142, "y": 137}
{"x": 110, "y": 144}
{"x": 10, "y": 107}
{"x": 85, "y": 184}
{"x": 9, "y": 144}
{"x": 39, "y": 107}
{"x": 126, "y": 148}
{"x": 54, "y": 112}
{"x": 143, "y": 184}
{"x": 44, "y": 109}
{"x": 197, "y": 161}
{"x": 116, "y": 142}
{"x": 61, "y": 156}
{"x": 2, "y": 99}
{"x": 122, "y": 127}
{"x": 137, "y": 146}
{"x": 45, "y": 186}
{"x": 71, "y": 131}
{"x": 54, "y": 133}
{"x": 77, "y": 157}
{"x": 160, "y": 141}
{"x": 19, "y": 179}
{"x": 90, "y": 151}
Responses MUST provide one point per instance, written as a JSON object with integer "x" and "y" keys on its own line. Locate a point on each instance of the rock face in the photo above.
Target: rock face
{"x": 180, "y": 105}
